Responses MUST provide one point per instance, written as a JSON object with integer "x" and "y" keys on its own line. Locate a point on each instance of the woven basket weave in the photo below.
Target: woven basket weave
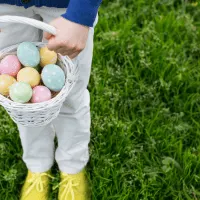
{"x": 38, "y": 114}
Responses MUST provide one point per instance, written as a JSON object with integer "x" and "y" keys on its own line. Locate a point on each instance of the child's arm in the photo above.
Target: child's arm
{"x": 82, "y": 11}
{"x": 73, "y": 27}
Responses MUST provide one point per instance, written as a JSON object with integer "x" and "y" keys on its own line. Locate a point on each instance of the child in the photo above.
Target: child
{"x": 75, "y": 30}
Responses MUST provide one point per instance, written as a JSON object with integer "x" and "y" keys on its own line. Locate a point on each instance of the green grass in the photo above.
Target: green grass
{"x": 145, "y": 100}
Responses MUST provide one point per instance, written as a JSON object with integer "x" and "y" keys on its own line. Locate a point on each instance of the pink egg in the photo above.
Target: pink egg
{"x": 40, "y": 94}
{"x": 10, "y": 65}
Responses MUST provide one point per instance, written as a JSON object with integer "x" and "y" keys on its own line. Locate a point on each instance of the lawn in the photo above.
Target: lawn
{"x": 145, "y": 97}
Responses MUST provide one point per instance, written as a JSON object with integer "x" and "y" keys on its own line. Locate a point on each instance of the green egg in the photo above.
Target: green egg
{"x": 20, "y": 92}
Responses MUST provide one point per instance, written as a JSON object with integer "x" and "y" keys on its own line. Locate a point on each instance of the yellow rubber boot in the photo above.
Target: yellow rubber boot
{"x": 36, "y": 186}
{"x": 73, "y": 187}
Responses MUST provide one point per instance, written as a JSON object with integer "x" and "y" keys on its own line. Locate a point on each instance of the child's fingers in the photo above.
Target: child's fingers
{"x": 53, "y": 44}
{"x": 74, "y": 55}
{"x": 47, "y": 36}
{"x": 66, "y": 52}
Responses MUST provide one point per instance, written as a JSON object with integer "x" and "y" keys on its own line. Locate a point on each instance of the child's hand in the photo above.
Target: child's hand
{"x": 70, "y": 39}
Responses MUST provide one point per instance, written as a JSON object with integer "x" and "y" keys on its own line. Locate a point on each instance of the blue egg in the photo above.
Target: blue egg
{"x": 28, "y": 54}
{"x": 53, "y": 77}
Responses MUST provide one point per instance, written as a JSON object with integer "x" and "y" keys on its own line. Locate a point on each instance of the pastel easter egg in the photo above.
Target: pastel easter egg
{"x": 47, "y": 57}
{"x": 28, "y": 54}
{"x": 29, "y": 75}
{"x": 40, "y": 94}
{"x": 53, "y": 77}
{"x": 5, "y": 82}
{"x": 20, "y": 92}
{"x": 10, "y": 65}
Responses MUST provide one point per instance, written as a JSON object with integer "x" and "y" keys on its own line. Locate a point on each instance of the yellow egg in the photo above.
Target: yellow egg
{"x": 5, "y": 82}
{"x": 47, "y": 56}
{"x": 29, "y": 75}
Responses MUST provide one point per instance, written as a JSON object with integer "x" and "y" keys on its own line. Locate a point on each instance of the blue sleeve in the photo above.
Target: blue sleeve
{"x": 82, "y": 11}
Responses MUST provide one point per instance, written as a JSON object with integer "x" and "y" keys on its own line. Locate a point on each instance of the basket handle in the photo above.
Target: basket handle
{"x": 33, "y": 22}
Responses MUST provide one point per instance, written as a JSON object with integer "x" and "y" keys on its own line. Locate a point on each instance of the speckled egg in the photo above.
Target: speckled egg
{"x": 10, "y": 65}
{"x": 53, "y": 77}
{"x": 29, "y": 75}
{"x": 40, "y": 94}
{"x": 20, "y": 92}
{"x": 5, "y": 82}
{"x": 47, "y": 57}
{"x": 28, "y": 54}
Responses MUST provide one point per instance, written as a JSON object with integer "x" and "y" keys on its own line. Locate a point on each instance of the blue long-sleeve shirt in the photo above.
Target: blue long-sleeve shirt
{"x": 80, "y": 11}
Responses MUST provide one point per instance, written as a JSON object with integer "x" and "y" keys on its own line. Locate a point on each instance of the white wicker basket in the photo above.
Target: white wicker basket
{"x": 38, "y": 114}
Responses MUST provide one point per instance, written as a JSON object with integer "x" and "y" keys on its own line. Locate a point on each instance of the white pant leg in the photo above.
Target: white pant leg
{"x": 38, "y": 147}
{"x": 73, "y": 124}
{"x": 37, "y": 143}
